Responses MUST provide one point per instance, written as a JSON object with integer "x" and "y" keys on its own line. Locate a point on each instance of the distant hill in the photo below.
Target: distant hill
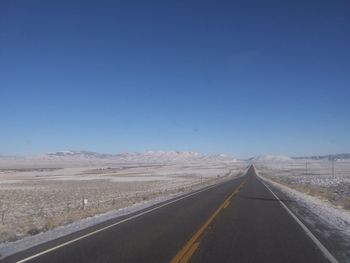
{"x": 270, "y": 158}
{"x": 281, "y": 158}
{"x": 339, "y": 156}
{"x": 86, "y": 158}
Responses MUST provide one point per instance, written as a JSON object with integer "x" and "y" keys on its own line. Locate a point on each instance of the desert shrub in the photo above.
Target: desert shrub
{"x": 50, "y": 224}
{"x": 33, "y": 231}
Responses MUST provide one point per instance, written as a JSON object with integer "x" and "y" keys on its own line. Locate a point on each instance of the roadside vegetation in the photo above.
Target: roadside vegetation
{"x": 322, "y": 179}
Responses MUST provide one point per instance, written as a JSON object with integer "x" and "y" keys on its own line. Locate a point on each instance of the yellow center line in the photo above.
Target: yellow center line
{"x": 190, "y": 252}
{"x": 227, "y": 203}
{"x": 190, "y": 247}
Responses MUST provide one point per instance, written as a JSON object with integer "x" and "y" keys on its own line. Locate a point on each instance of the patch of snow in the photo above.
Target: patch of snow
{"x": 329, "y": 213}
{"x": 336, "y": 220}
{"x": 9, "y": 248}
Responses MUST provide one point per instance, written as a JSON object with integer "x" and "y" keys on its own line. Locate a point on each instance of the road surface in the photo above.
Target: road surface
{"x": 237, "y": 221}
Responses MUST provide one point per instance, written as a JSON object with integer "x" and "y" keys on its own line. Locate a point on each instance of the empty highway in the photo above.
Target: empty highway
{"x": 241, "y": 220}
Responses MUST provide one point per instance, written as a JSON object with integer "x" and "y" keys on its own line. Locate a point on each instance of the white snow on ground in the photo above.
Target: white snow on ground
{"x": 322, "y": 197}
{"x": 315, "y": 177}
{"x": 327, "y": 212}
{"x": 43, "y": 197}
{"x": 8, "y": 248}
{"x": 329, "y": 221}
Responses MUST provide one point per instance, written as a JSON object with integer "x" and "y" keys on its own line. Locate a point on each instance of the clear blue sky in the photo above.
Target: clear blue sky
{"x": 238, "y": 77}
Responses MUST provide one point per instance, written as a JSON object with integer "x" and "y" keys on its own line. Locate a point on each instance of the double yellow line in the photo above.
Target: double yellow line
{"x": 191, "y": 246}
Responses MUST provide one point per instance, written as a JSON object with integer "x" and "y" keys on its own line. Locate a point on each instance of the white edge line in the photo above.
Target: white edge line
{"x": 323, "y": 249}
{"x": 122, "y": 221}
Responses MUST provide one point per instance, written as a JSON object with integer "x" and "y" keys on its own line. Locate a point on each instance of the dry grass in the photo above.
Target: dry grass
{"x": 30, "y": 210}
{"x": 323, "y": 193}
{"x": 34, "y": 204}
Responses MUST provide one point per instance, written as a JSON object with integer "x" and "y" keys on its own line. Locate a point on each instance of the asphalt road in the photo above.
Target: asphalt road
{"x": 237, "y": 221}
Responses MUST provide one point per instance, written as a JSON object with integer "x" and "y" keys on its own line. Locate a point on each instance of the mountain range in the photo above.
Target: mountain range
{"x": 86, "y": 158}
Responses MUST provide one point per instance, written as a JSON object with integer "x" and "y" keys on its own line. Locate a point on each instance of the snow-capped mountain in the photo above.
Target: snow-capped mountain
{"x": 85, "y": 154}
{"x": 87, "y": 158}
{"x": 172, "y": 157}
